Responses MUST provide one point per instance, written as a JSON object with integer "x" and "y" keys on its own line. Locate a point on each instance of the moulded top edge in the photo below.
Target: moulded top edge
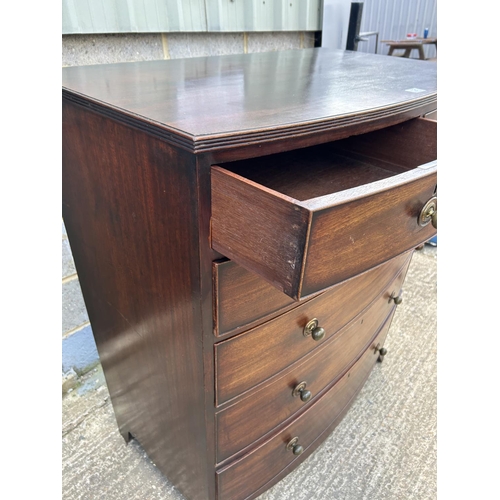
{"x": 206, "y": 102}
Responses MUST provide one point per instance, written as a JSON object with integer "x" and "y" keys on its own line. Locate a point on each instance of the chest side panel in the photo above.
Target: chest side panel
{"x": 130, "y": 209}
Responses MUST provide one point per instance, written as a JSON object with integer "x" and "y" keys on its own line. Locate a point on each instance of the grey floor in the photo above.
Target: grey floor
{"x": 384, "y": 449}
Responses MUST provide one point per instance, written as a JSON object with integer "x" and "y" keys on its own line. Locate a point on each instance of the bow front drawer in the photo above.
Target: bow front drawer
{"x": 262, "y": 465}
{"x": 264, "y": 408}
{"x": 249, "y": 359}
{"x": 307, "y": 219}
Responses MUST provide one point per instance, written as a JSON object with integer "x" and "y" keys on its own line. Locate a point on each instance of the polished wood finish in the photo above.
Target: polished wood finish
{"x": 300, "y": 219}
{"x": 145, "y": 327}
{"x": 246, "y": 421}
{"x": 393, "y": 211}
{"x": 243, "y": 299}
{"x": 206, "y": 104}
{"x": 244, "y": 476}
{"x": 244, "y": 361}
{"x": 406, "y": 146}
{"x": 140, "y": 144}
{"x": 259, "y": 229}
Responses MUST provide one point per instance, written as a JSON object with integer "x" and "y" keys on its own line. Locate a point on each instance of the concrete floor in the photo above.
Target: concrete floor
{"x": 384, "y": 449}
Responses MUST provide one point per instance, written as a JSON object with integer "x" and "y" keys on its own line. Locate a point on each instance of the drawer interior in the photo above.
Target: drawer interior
{"x": 307, "y": 219}
{"x": 328, "y": 168}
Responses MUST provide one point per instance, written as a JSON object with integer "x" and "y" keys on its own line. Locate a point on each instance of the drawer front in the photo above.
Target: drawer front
{"x": 241, "y": 478}
{"x": 242, "y": 297}
{"x": 307, "y": 220}
{"x": 243, "y": 423}
{"x": 244, "y": 361}
{"x": 390, "y": 218}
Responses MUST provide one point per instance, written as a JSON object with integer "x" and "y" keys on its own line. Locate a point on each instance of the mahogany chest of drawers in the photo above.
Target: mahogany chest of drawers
{"x": 241, "y": 227}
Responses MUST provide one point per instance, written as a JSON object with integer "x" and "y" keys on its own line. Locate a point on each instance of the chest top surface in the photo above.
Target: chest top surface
{"x": 198, "y": 100}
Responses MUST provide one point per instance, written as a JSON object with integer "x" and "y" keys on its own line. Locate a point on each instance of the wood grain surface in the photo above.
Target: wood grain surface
{"x": 406, "y": 145}
{"x": 239, "y": 425}
{"x": 208, "y": 103}
{"x": 259, "y": 229}
{"x": 129, "y": 206}
{"x": 306, "y": 220}
{"x": 140, "y": 141}
{"x": 244, "y": 361}
{"x": 354, "y": 236}
{"x": 242, "y": 298}
{"x": 241, "y": 478}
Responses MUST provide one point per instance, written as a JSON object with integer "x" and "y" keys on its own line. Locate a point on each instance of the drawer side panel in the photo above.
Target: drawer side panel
{"x": 262, "y": 231}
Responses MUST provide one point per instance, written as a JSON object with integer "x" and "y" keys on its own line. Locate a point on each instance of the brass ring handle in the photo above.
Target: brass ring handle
{"x": 300, "y": 390}
{"x": 294, "y": 447}
{"x": 314, "y": 330}
{"x": 429, "y": 213}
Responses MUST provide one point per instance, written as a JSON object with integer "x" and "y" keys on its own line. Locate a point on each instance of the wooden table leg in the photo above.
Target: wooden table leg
{"x": 421, "y": 52}
{"x": 391, "y": 50}
{"x": 407, "y": 53}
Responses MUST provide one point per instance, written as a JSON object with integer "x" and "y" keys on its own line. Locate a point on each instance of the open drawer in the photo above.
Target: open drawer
{"x": 307, "y": 219}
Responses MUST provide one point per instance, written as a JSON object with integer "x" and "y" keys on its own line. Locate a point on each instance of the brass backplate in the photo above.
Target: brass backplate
{"x": 427, "y": 212}
{"x": 311, "y": 325}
